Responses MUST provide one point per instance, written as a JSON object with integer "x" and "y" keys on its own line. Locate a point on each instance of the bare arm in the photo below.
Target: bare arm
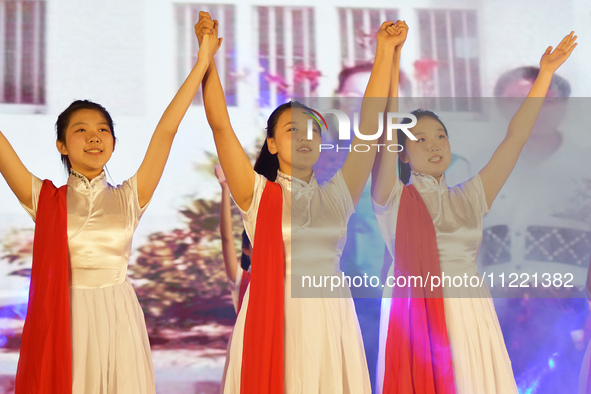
{"x": 358, "y": 165}
{"x": 15, "y": 173}
{"x": 498, "y": 169}
{"x": 151, "y": 169}
{"x": 228, "y": 248}
{"x": 234, "y": 161}
{"x": 384, "y": 169}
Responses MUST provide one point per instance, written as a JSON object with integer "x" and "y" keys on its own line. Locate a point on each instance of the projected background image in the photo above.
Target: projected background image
{"x": 132, "y": 56}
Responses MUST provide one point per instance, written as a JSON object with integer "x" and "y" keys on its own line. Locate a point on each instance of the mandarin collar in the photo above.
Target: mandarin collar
{"x": 295, "y": 183}
{"x": 424, "y": 182}
{"x": 80, "y": 182}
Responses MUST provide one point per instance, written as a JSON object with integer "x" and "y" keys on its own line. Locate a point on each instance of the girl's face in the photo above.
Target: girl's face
{"x": 89, "y": 142}
{"x": 430, "y": 154}
{"x": 295, "y": 152}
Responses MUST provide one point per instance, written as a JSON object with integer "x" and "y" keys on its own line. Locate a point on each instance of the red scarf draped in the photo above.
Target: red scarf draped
{"x": 262, "y": 354}
{"x": 418, "y": 355}
{"x": 45, "y": 363}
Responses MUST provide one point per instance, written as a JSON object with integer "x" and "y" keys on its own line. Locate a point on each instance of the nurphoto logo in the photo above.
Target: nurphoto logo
{"x": 344, "y": 125}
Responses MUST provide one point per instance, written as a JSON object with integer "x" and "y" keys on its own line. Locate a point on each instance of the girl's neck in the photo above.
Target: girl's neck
{"x": 437, "y": 177}
{"x": 304, "y": 175}
{"x": 90, "y": 175}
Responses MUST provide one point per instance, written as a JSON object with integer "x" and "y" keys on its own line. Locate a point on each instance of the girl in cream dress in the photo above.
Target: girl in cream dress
{"x": 479, "y": 357}
{"x": 110, "y": 348}
{"x": 322, "y": 350}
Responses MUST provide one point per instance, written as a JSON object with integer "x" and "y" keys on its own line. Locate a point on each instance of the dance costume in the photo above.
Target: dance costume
{"x": 323, "y": 348}
{"x": 480, "y": 360}
{"x": 110, "y": 348}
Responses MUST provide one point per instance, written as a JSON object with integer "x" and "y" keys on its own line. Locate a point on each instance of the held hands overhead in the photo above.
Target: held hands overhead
{"x": 206, "y": 31}
{"x": 392, "y": 34}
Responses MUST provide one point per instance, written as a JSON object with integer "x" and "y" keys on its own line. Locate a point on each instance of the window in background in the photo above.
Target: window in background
{"x": 286, "y": 54}
{"x": 187, "y": 48}
{"x": 358, "y": 27}
{"x": 449, "y": 58}
{"x": 22, "y": 52}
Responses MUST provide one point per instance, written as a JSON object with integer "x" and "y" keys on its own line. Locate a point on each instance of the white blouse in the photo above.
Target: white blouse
{"x": 101, "y": 223}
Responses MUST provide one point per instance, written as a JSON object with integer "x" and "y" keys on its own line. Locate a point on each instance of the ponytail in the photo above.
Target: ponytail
{"x": 267, "y": 164}
{"x": 403, "y": 171}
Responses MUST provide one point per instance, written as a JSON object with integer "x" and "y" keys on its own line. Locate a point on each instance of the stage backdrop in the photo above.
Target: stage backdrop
{"x": 132, "y": 56}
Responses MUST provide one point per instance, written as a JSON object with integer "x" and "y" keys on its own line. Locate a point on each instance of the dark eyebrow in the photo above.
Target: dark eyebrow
{"x": 85, "y": 123}
{"x": 422, "y": 132}
{"x": 288, "y": 123}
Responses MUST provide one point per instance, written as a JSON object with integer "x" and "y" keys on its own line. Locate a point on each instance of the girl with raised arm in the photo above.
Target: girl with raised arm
{"x": 280, "y": 343}
{"x": 431, "y": 344}
{"x": 237, "y": 273}
{"x": 85, "y": 331}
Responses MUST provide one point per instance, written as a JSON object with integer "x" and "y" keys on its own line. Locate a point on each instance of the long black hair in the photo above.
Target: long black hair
{"x": 63, "y": 121}
{"x": 245, "y": 259}
{"x": 404, "y": 168}
{"x": 267, "y": 164}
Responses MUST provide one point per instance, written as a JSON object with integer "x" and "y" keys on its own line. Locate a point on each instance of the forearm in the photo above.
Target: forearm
{"x": 174, "y": 113}
{"x": 233, "y": 159}
{"x": 358, "y": 165}
{"x": 496, "y": 172}
{"x": 384, "y": 168}
{"x": 378, "y": 87}
{"x": 392, "y": 105}
{"x": 15, "y": 173}
{"x": 524, "y": 119}
{"x": 214, "y": 100}
{"x": 152, "y": 166}
{"x": 226, "y": 216}
{"x": 228, "y": 248}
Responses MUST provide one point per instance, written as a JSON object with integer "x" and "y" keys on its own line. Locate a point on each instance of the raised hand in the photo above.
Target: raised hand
{"x": 203, "y": 26}
{"x": 400, "y": 30}
{"x": 552, "y": 59}
{"x": 206, "y": 31}
{"x": 392, "y": 34}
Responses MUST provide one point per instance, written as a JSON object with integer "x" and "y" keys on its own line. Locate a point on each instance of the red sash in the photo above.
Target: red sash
{"x": 45, "y": 363}
{"x": 418, "y": 355}
{"x": 262, "y": 354}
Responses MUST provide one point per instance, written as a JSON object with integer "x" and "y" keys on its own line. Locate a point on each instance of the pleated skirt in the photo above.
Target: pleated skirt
{"x": 110, "y": 347}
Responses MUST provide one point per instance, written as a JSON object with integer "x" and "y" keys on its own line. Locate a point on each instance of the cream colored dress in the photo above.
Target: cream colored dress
{"x": 323, "y": 348}
{"x": 479, "y": 356}
{"x": 110, "y": 348}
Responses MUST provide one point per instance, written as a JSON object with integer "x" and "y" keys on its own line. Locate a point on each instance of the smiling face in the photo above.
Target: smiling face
{"x": 88, "y": 142}
{"x": 295, "y": 152}
{"x": 431, "y": 153}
